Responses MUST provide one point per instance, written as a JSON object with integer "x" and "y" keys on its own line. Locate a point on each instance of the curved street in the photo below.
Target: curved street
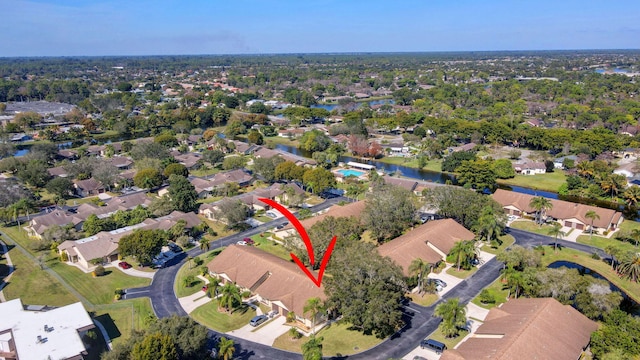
{"x": 419, "y": 320}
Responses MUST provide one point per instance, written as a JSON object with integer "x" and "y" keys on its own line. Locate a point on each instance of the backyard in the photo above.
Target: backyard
{"x": 546, "y": 182}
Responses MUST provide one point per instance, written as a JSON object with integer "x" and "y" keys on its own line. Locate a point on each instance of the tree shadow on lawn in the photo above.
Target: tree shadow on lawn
{"x": 109, "y": 325}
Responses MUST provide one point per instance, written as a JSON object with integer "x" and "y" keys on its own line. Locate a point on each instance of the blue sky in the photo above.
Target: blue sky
{"x": 145, "y": 27}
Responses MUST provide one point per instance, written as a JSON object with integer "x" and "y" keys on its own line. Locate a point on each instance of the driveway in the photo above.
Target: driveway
{"x": 194, "y": 301}
{"x": 133, "y": 272}
{"x": 265, "y": 334}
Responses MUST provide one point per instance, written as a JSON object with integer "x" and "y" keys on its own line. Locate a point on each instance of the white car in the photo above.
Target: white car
{"x": 242, "y": 242}
{"x": 512, "y": 217}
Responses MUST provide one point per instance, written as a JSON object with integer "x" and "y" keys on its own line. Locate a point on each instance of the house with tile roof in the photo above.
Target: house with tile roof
{"x": 89, "y": 187}
{"x": 103, "y": 246}
{"x": 29, "y": 332}
{"x": 276, "y": 283}
{"x": 430, "y": 242}
{"x": 347, "y": 210}
{"x": 568, "y": 214}
{"x": 530, "y": 168}
{"x": 536, "y": 328}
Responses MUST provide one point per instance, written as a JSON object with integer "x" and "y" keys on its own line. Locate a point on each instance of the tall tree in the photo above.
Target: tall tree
{"x": 399, "y": 211}
{"x": 226, "y": 348}
{"x": 312, "y": 349}
{"x": 155, "y": 347}
{"x": 463, "y": 252}
{"x": 635, "y": 235}
{"x": 183, "y": 194}
{"x": 629, "y": 266}
{"x": 420, "y": 268}
{"x": 313, "y": 307}
{"x": 230, "y": 296}
{"x": 143, "y": 244}
{"x": 454, "y": 316}
{"x": 592, "y": 215}
{"x": 319, "y": 179}
{"x": 556, "y": 232}
{"x": 541, "y": 205}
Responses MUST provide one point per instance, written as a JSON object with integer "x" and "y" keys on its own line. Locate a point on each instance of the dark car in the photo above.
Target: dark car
{"x": 433, "y": 345}
{"x": 124, "y": 265}
{"x": 257, "y": 320}
{"x": 248, "y": 241}
{"x": 281, "y": 226}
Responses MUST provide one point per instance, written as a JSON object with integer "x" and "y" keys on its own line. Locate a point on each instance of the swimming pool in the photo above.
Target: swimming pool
{"x": 350, "y": 172}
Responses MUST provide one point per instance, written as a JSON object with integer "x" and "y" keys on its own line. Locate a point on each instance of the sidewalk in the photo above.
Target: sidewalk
{"x": 5, "y": 252}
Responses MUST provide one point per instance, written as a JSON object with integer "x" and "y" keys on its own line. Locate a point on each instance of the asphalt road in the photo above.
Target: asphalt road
{"x": 419, "y": 320}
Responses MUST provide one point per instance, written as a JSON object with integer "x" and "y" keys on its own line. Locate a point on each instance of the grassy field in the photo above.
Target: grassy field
{"x": 545, "y": 182}
{"x": 338, "y": 340}
{"x": 122, "y": 317}
{"x": 631, "y": 288}
{"x": 204, "y": 171}
{"x": 98, "y": 290}
{"x": 218, "y": 227}
{"x": 603, "y": 242}
{"x": 500, "y": 294}
{"x": 628, "y": 225}
{"x": 281, "y": 140}
{"x": 507, "y": 240}
{"x": 33, "y": 285}
{"x": 432, "y": 165}
{"x": 269, "y": 246}
{"x": 425, "y": 299}
{"x": 179, "y": 287}
{"x": 20, "y": 236}
{"x": 209, "y": 316}
{"x": 450, "y": 342}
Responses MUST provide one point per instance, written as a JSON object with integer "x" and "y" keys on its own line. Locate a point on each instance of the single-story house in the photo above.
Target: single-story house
{"x": 566, "y": 213}
{"x": 466, "y": 147}
{"x": 121, "y": 162}
{"x": 58, "y": 171}
{"x": 291, "y": 132}
{"x": 536, "y": 328}
{"x": 277, "y": 283}
{"x": 430, "y": 242}
{"x": 103, "y": 246}
{"x": 39, "y": 224}
{"x": 41, "y": 332}
{"x": 189, "y": 160}
{"x": 89, "y": 187}
{"x": 530, "y": 168}
{"x": 348, "y": 210}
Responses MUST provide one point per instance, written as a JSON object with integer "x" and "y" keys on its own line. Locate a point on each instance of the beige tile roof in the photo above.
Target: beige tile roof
{"x": 443, "y": 234}
{"x": 561, "y": 209}
{"x": 269, "y": 276}
{"x": 352, "y": 209}
{"x": 528, "y": 329}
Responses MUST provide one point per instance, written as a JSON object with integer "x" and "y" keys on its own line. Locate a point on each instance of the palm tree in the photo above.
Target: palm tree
{"x": 613, "y": 252}
{"x": 632, "y": 196}
{"x": 540, "y": 205}
{"x": 556, "y": 232}
{"x": 593, "y": 216}
{"x": 204, "y": 244}
{"x": 226, "y": 348}
{"x": 515, "y": 281}
{"x": 630, "y": 267}
{"x": 463, "y": 252}
{"x": 420, "y": 268}
{"x": 230, "y": 296}
{"x": 313, "y": 306}
{"x": 635, "y": 235}
{"x": 454, "y": 316}
{"x": 213, "y": 286}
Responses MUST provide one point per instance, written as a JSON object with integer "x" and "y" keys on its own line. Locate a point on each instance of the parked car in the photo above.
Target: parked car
{"x": 242, "y": 243}
{"x": 512, "y": 217}
{"x": 205, "y": 288}
{"x": 433, "y": 345}
{"x": 281, "y": 226}
{"x": 124, "y": 265}
{"x": 248, "y": 241}
{"x": 257, "y": 320}
{"x": 438, "y": 283}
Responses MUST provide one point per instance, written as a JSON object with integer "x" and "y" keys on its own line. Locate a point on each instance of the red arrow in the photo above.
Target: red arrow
{"x": 307, "y": 242}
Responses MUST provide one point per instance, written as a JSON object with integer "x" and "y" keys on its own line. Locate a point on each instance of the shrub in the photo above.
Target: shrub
{"x": 99, "y": 271}
{"x": 119, "y": 292}
{"x": 595, "y": 256}
{"x": 117, "y": 297}
{"x": 246, "y": 294}
{"x": 212, "y": 232}
{"x": 486, "y": 297}
{"x": 64, "y": 257}
{"x": 197, "y": 261}
{"x": 189, "y": 280}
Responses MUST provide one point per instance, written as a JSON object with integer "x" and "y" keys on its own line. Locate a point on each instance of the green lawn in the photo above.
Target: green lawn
{"x": 545, "y": 182}
{"x": 462, "y": 274}
{"x": 33, "y": 285}
{"x": 602, "y": 243}
{"x": 210, "y": 199}
{"x": 269, "y": 246}
{"x": 631, "y": 288}
{"x": 80, "y": 201}
{"x": 209, "y": 316}
{"x": 530, "y": 226}
{"x": 98, "y": 290}
{"x": 628, "y": 225}
{"x": 120, "y": 318}
{"x": 507, "y": 240}
{"x": 338, "y": 340}
{"x": 218, "y": 227}
{"x": 432, "y": 165}
{"x": 500, "y": 294}
{"x": 262, "y": 218}
{"x": 179, "y": 287}
{"x": 450, "y": 342}
{"x": 425, "y": 299}
{"x": 20, "y": 236}
{"x": 205, "y": 171}
{"x": 281, "y": 140}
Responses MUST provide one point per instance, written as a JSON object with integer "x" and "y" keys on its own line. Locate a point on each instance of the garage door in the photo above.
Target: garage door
{"x": 568, "y": 224}
{"x": 580, "y": 226}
